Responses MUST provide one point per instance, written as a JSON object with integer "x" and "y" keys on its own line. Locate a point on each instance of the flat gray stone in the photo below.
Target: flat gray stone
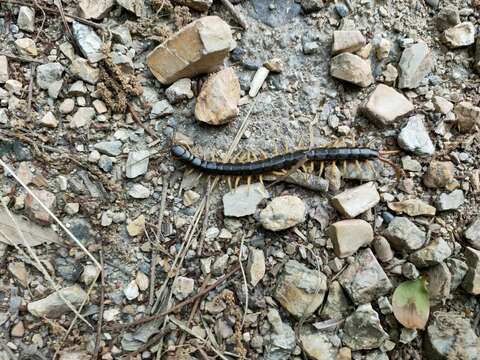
{"x": 351, "y": 68}
{"x": 472, "y": 234}
{"x": 460, "y": 35}
{"x": 49, "y": 73}
{"x": 112, "y": 148}
{"x": 137, "y": 163}
{"x": 26, "y": 19}
{"x": 89, "y": 42}
{"x": 363, "y": 330}
{"x": 3, "y": 69}
{"x": 414, "y": 137}
{"x": 281, "y": 340}
{"x": 283, "y": 212}
{"x": 53, "y": 306}
{"x": 450, "y": 336}
{"x": 244, "y": 200}
{"x": 300, "y": 290}
{"x": 404, "y": 235}
{"x": 354, "y": 201}
{"x": 385, "y": 105}
{"x": 432, "y": 254}
{"x": 416, "y": 63}
{"x": 364, "y": 280}
{"x": 450, "y": 201}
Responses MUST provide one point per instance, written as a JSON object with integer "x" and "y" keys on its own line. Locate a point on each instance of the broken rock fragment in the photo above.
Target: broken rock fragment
{"x": 300, "y": 290}
{"x": 351, "y": 68}
{"x": 218, "y": 100}
{"x": 385, "y": 105}
{"x": 347, "y": 41}
{"x": 198, "y": 48}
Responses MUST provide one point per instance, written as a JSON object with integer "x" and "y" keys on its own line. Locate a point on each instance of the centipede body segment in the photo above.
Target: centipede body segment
{"x": 275, "y": 163}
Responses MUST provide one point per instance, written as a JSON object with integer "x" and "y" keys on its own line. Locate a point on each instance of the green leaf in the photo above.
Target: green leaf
{"x": 411, "y": 305}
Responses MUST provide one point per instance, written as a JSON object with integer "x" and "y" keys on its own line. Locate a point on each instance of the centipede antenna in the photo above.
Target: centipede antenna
{"x": 388, "y": 152}
{"x": 398, "y": 171}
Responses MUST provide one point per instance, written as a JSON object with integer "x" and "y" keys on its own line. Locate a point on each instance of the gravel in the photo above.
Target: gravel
{"x": 88, "y": 122}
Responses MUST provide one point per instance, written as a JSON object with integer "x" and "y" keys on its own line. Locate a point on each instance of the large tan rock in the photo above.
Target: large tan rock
{"x": 385, "y": 105}
{"x": 218, "y": 100}
{"x": 198, "y": 48}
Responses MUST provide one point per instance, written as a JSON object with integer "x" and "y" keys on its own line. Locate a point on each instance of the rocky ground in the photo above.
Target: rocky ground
{"x": 94, "y": 93}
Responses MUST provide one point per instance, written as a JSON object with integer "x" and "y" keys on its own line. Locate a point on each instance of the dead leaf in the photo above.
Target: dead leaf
{"x": 33, "y": 233}
{"x": 411, "y": 305}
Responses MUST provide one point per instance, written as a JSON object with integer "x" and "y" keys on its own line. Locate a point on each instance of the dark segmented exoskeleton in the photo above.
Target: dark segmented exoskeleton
{"x": 278, "y": 162}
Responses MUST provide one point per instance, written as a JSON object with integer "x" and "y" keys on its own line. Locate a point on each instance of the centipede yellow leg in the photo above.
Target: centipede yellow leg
{"x": 249, "y": 181}
{"x": 322, "y": 167}
{"x": 371, "y": 167}
{"x": 358, "y": 167}
{"x": 344, "y": 168}
{"x": 237, "y": 181}
{"x": 229, "y": 181}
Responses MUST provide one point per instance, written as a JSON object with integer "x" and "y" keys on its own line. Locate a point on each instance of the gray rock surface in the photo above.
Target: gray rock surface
{"x": 300, "y": 290}
{"x": 244, "y": 200}
{"x": 385, "y": 105}
{"x": 363, "y": 330}
{"x": 283, "y": 212}
{"x": 49, "y": 73}
{"x": 450, "y": 336}
{"x": 414, "y": 137}
{"x": 434, "y": 253}
{"x": 404, "y": 235}
{"x": 89, "y": 42}
{"x": 472, "y": 234}
{"x": 364, "y": 280}
{"x": 53, "y": 306}
{"x": 354, "y": 201}
{"x": 416, "y": 63}
{"x": 281, "y": 340}
{"x": 450, "y": 201}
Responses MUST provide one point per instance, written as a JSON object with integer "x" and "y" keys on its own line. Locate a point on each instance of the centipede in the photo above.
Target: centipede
{"x": 282, "y": 162}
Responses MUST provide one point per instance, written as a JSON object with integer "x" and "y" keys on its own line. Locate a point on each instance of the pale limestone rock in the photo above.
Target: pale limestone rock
{"x": 95, "y": 9}
{"x": 26, "y": 19}
{"x": 53, "y": 306}
{"x": 460, "y": 35}
{"x": 355, "y": 201}
{"x": 258, "y": 80}
{"x": 49, "y": 120}
{"x": 350, "y": 235}
{"x": 385, "y": 105}
{"x": 283, "y": 212}
{"x": 347, "y": 41}
{"x": 300, "y": 290}
{"x": 3, "y": 69}
{"x": 26, "y": 46}
{"x": 198, "y": 48}
{"x": 218, "y": 100}
{"x": 352, "y": 68}
{"x": 255, "y": 266}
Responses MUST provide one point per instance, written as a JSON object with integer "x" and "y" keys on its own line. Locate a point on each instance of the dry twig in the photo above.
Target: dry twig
{"x": 179, "y": 305}
{"x": 238, "y": 17}
{"x": 102, "y": 305}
